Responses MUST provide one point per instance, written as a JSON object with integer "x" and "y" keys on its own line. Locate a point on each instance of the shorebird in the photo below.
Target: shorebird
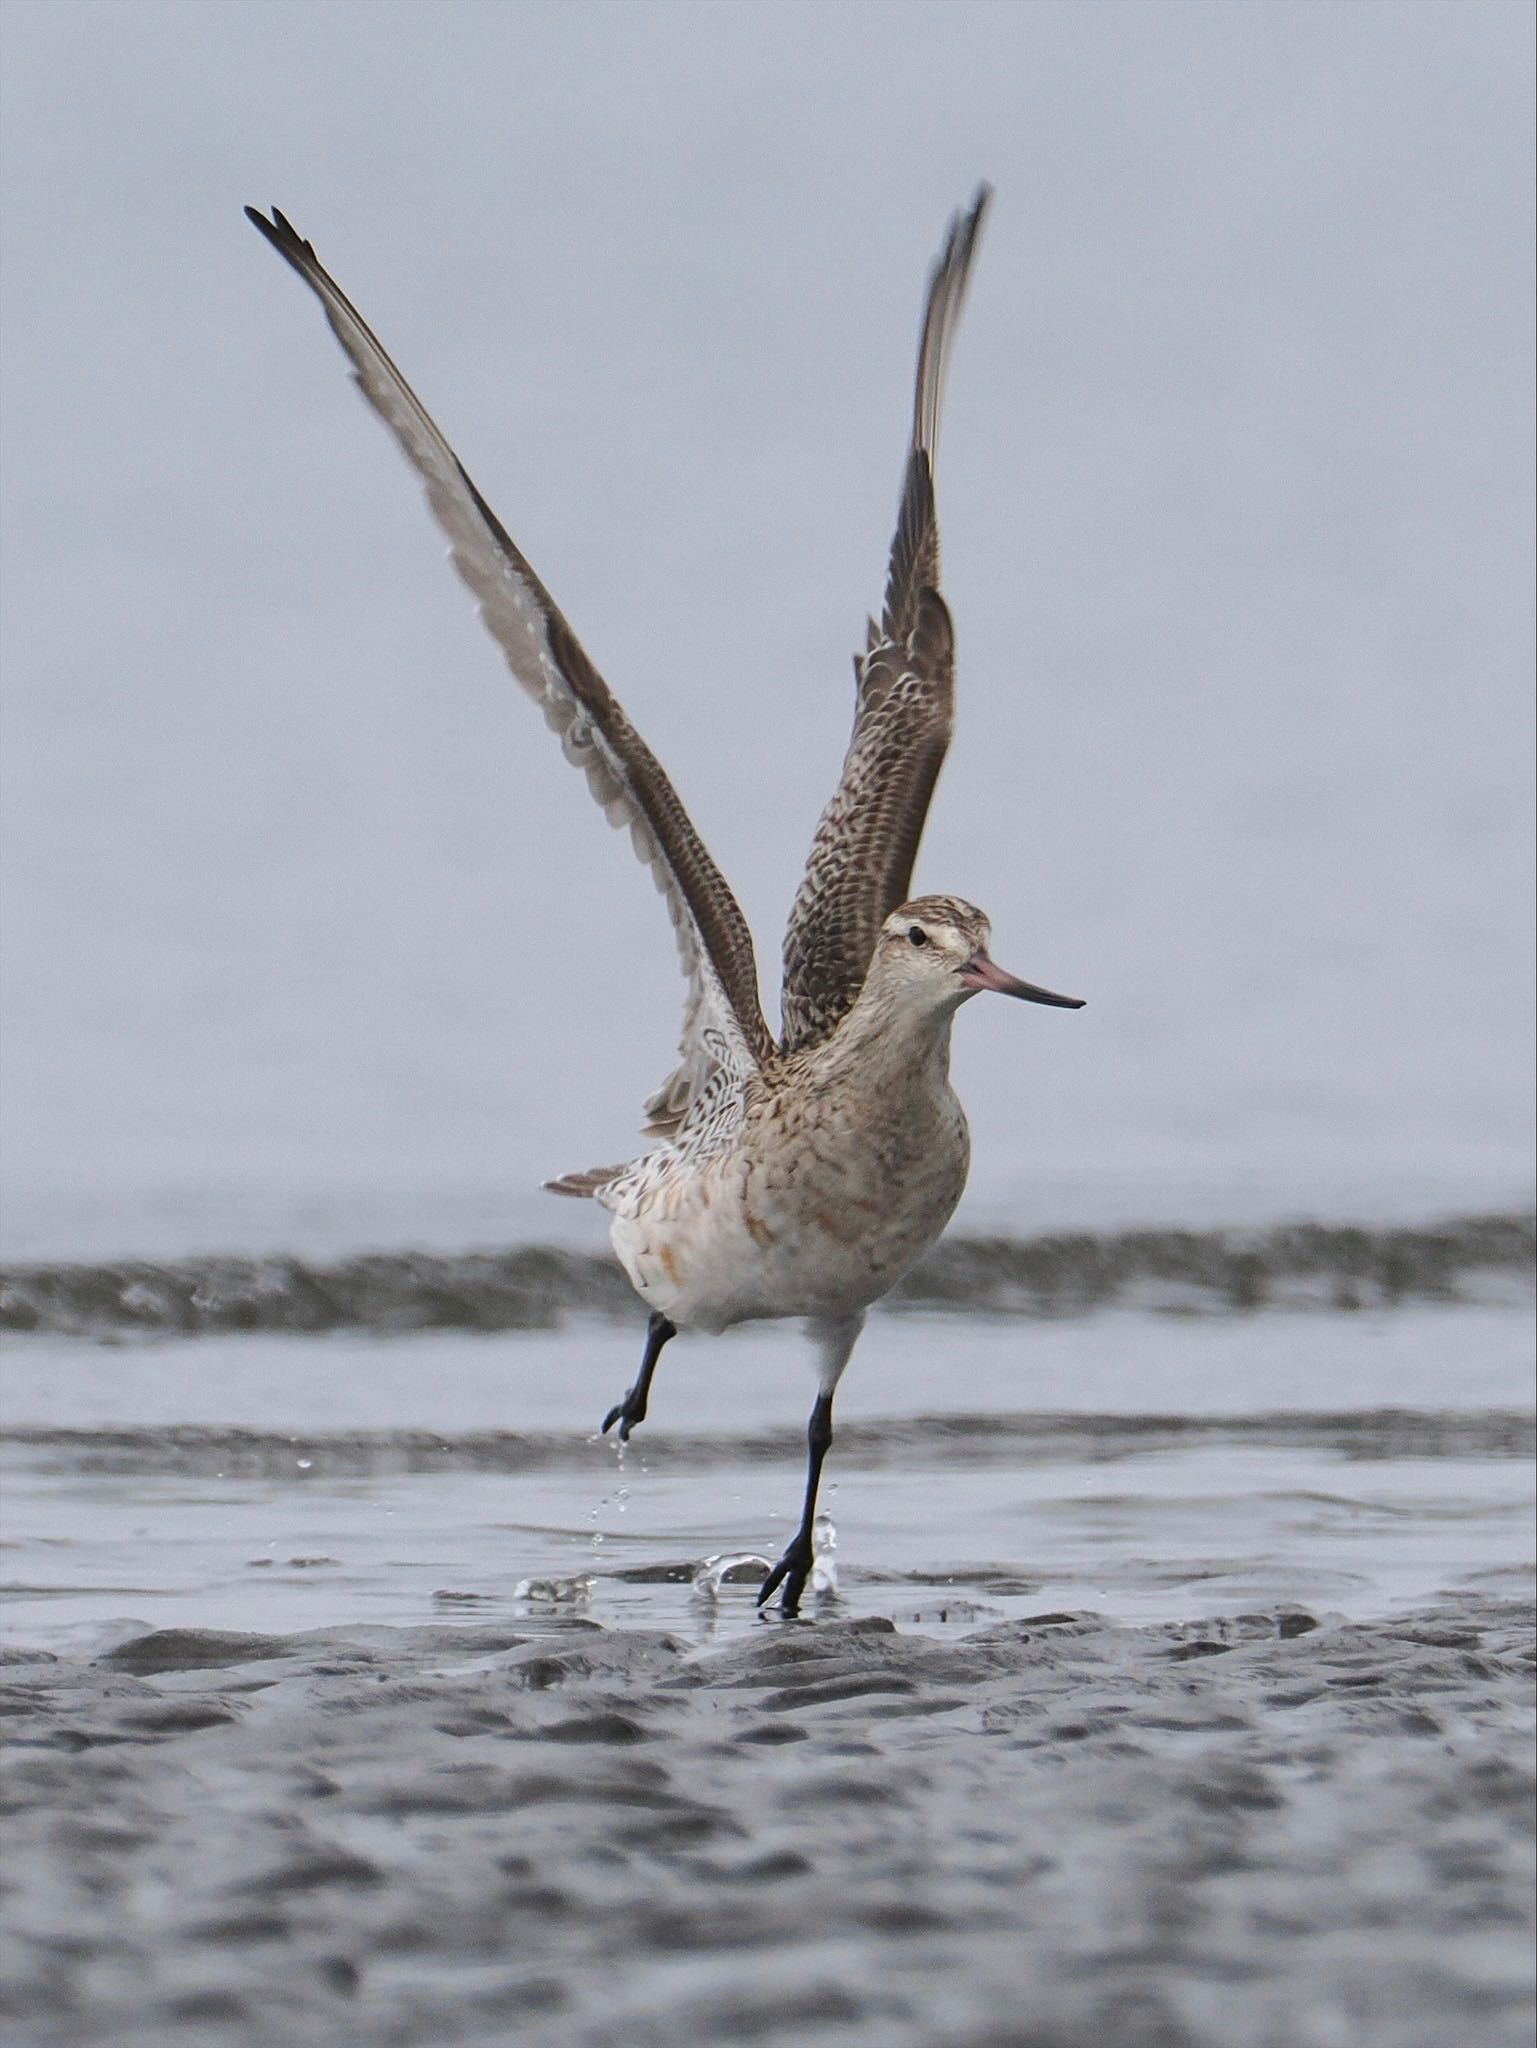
{"x": 803, "y": 1176}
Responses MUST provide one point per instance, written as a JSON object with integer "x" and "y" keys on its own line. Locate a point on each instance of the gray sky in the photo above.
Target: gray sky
{"x": 300, "y": 904}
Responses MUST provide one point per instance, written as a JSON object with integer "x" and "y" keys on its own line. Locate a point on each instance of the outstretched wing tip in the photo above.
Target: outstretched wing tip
{"x": 278, "y": 230}
{"x": 965, "y": 225}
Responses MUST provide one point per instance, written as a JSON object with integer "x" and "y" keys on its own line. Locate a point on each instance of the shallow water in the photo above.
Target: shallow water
{"x": 1146, "y": 1468}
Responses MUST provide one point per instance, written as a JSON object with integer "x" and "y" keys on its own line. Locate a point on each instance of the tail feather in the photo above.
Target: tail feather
{"x": 583, "y": 1184}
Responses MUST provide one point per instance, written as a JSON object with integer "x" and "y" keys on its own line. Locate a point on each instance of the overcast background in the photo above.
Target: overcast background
{"x": 309, "y": 934}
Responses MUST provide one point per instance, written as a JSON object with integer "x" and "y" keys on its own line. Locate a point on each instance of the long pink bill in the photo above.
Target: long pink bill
{"x": 982, "y": 972}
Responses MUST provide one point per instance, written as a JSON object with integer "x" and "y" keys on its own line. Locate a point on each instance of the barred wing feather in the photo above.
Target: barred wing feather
{"x": 723, "y": 1024}
{"x": 861, "y": 861}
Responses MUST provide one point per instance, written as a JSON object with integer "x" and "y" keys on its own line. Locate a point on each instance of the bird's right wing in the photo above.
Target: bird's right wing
{"x": 723, "y": 1027}
{"x": 861, "y": 861}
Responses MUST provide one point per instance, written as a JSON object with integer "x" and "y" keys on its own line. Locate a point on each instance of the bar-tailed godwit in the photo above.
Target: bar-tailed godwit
{"x": 801, "y": 1177}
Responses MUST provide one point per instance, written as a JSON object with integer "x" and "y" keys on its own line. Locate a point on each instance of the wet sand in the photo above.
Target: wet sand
{"x": 1269, "y": 1831}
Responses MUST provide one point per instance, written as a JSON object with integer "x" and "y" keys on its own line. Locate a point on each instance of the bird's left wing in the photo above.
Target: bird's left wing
{"x": 723, "y": 1022}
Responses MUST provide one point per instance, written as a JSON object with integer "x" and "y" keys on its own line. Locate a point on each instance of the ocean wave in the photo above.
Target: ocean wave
{"x": 217, "y": 1451}
{"x": 1299, "y": 1265}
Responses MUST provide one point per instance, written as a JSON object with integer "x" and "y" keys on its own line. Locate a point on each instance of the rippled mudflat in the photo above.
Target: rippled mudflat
{"x": 1269, "y": 1828}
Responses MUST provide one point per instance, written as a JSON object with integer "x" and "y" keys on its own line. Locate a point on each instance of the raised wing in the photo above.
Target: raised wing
{"x": 861, "y": 861}
{"x": 723, "y": 1024}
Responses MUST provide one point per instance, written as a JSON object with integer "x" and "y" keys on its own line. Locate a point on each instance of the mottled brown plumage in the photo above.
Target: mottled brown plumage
{"x": 861, "y": 862}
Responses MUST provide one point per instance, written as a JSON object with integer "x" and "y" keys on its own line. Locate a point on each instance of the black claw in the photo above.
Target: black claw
{"x": 624, "y": 1416}
{"x": 792, "y": 1572}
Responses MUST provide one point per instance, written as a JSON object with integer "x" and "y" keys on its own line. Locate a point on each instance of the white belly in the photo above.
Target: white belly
{"x": 777, "y": 1229}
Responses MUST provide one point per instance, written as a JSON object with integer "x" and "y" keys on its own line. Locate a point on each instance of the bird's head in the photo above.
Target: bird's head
{"x": 933, "y": 954}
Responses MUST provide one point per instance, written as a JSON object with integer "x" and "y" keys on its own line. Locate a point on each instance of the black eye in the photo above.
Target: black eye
{"x": 916, "y": 935}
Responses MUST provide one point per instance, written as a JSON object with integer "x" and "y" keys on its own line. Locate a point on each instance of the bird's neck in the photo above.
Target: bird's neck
{"x": 886, "y": 1042}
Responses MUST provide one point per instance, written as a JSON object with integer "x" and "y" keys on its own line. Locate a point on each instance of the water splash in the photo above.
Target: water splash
{"x": 574, "y": 1593}
{"x": 824, "y": 1541}
{"x": 731, "y": 1568}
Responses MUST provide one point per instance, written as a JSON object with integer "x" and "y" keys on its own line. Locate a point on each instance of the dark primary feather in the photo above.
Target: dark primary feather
{"x": 861, "y": 861}
{"x": 547, "y": 659}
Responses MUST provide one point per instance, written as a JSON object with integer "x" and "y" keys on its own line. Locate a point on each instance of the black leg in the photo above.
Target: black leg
{"x": 794, "y": 1568}
{"x": 632, "y": 1408}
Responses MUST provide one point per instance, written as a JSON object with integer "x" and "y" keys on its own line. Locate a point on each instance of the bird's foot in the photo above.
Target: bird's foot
{"x": 626, "y": 1413}
{"x": 791, "y": 1572}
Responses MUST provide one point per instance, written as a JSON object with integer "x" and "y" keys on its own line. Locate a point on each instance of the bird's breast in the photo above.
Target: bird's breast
{"x": 819, "y": 1210}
